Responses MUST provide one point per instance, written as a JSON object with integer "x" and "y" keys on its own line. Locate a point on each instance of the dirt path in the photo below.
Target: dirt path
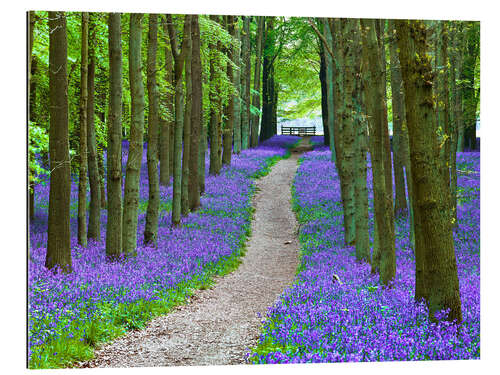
{"x": 218, "y": 326}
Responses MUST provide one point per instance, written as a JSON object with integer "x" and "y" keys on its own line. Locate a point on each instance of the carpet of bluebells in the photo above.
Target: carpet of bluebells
{"x": 320, "y": 320}
{"x": 69, "y": 314}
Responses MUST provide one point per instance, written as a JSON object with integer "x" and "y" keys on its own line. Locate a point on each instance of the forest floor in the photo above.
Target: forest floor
{"x": 219, "y": 326}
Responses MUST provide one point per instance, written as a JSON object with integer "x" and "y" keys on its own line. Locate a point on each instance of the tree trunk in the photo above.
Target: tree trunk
{"x": 227, "y": 133}
{"x": 82, "y": 181}
{"x": 430, "y": 193}
{"x": 134, "y": 160}
{"x": 94, "y": 229}
{"x": 201, "y": 157}
{"x": 469, "y": 97}
{"x": 324, "y": 99}
{"x": 214, "y": 124}
{"x": 254, "y": 117}
{"x": 237, "y": 88}
{"x": 179, "y": 57}
{"x": 456, "y": 59}
{"x": 186, "y": 152}
{"x": 152, "y": 213}
{"x": 58, "y": 235}
{"x": 360, "y": 151}
{"x": 245, "y": 84}
{"x": 268, "y": 86}
{"x": 330, "y": 82}
{"x": 196, "y": 116}
{"x": 31, "y": 106}
{"x": 168, "y": 123}
{"x": 398, "y": 118}
{"x": 375, "y": 105}
{"x": 114, "y": 159}
{"x": 349, "y": 34}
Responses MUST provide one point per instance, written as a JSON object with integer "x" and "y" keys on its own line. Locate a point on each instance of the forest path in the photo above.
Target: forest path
{"x": 218, "y": 326}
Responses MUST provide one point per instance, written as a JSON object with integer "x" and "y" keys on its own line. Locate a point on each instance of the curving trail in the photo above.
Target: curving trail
{"x": 218, "y": 326}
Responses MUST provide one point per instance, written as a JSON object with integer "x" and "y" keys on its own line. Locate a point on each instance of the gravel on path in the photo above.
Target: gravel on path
{"x": 218, "y": 326}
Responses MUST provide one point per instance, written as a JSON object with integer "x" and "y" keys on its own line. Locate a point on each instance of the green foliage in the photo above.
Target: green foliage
{"x": 38, "y": 144}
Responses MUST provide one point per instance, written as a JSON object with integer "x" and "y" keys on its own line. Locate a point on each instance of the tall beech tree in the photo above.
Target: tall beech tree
{"x": 399, "y": 138}
{"x": 214, "y": 122}
{"x": 94, "y": 228}
{"x": 152, "y": 212}
{"x": 196, "y": 115}
{"x": 167, "y": 124}
{"x": 82, "y": 181}
{"x": 254, "y": 117}
{"x": 58, "y": 234}
{"x": 330, "y": 81}
{"x": 186, "y": 151}
{"x": 384, "y": 258}
{"x": 227, "y": 132}
{"x": 134, "y": 159}
{"x": 434, "y": 247}
{"x": 237, "y": 87}
{"x": 114, "y": 159}
{"x": 245, "y": 83}
{"x": 268, "y": 123}
{"x": 179, "y": 57}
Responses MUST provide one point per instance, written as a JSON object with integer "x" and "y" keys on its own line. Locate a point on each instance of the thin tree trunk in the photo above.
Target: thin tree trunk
{"x": 114, "y": 157}
{"x": 268, "y": 86}
{"x": 134, "y": 160}
{"x": 237, "y": 87}
{"x": 330, "y": 82}
{"x": 215, "y": 161}
{"x": 375, "y": 86}
{"x": 430, "y": 193}
{"x": 168, "y": 123}
{"x": 245, "y": 84}
{"x": 196, "y": 116}
{"x": 179, "y": 57}
{"x": 186, "y": 152}
{"x": 254, "y": 117}
{"x": 227, "y": 133}
{"x": 102, "y": 174}
{"x": 94, "y": 229}
{"x": 398, "y": 119}
{"x": 82, "y": 181}
{"x": 324, "y": 99}
{"x": 31, "y": 101}
{"x": 58, "y": 235}
{"x": 152, "y": 213}
{"x": 201, "y": 156}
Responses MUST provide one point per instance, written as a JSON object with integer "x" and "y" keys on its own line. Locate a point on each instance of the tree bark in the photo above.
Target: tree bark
{"x": 398, "y": 118}
{"x": 245, "y": 84}
{"x": 58, "y": 235}
{"x": 227, "y": 132}
{"x": 430, "y": 193}
{"x": 268, "y": 86}
{"x": 94, "y": 228}
{"x": 196, "y": 116}
{"x": 254, "y": 117}
{"x": 186, "y": 152}
{"x": 237, "y": 88}
{"x": 168, "y": 123}
{"x": 114, "y": 159}
{"x": 330, "y": 82}
{"x": 152, "y": 213}
{"x": 375, "y": 106}
{"x": 214, "y": 124}
{"x": 134, "y": 160}
{"x": 179, "y": 57}
{"x": 83, "y": 162}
